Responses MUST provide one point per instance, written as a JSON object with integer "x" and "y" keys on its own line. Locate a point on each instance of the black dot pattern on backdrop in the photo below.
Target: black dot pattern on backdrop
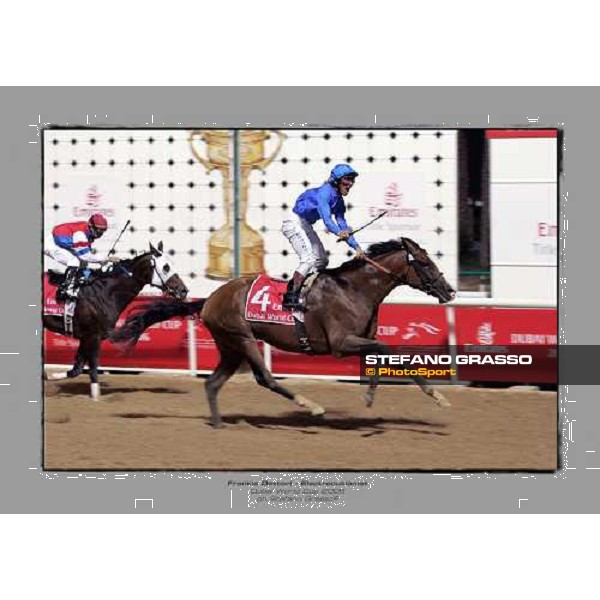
{"x": 277, "y": 182}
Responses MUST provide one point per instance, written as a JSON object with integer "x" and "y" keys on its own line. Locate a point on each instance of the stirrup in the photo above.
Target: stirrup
{"x": 292, "y": 301}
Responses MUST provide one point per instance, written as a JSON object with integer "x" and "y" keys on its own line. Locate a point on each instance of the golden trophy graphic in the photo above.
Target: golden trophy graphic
{"x": 217, "y": 144}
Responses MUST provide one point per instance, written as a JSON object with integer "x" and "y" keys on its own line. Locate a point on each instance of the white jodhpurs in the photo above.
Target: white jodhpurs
{"x": 305, "y": 243}
{"x": 60, "y": 259}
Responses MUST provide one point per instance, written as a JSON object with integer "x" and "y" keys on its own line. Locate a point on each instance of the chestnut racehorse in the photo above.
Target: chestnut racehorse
{"x": 340, "y": 318}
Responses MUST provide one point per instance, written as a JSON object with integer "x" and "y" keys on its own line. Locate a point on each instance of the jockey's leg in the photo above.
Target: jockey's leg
{"x": 353, "y": 345}
{"x": 301, "y": 236}
{"x": 61, "y": 259}
{"x": 320, "y": 260}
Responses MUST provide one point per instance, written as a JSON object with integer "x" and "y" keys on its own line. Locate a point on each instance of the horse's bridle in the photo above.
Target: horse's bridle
{"x": 165, "y": 284}
{"x": 411, "y": 261}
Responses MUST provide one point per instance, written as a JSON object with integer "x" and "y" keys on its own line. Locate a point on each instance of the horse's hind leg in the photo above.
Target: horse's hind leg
{"x": 227, "y": 366}
{"x": 265, "y": 378}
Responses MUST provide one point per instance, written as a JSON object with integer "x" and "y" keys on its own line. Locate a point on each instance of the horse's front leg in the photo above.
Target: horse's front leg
{"x": 353, "y": 345}
{"x": 79, "y": 363}
{"x": 78, "y": 366}
{"x": 91, "y": 351}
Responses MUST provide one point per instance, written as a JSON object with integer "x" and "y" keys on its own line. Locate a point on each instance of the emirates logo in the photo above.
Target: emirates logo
{"x": 485, "y": 334}
{"x": 392, "y": 196}
{"x": 93, "y": 197}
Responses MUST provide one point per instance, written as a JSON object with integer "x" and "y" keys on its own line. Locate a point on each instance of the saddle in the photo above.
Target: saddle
{"x": 264, "y": 304}
{"x": 70, "y": 282}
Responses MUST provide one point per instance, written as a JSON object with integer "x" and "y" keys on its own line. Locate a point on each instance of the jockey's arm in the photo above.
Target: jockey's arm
{"x": 81, "y": 248}
{"x": 325, "y": 214}
{"x": 341, "y": 221}
{"x": 98, "y": 258}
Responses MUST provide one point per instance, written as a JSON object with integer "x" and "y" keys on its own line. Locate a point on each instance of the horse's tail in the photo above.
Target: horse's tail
{"x": 139, "y": 320}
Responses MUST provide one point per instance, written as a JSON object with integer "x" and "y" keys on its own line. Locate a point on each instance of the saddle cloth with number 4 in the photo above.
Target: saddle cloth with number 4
{"x": 264, "y": 301}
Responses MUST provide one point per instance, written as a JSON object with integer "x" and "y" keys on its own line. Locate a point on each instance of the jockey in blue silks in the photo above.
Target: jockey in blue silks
{"x": 324, "y": 203}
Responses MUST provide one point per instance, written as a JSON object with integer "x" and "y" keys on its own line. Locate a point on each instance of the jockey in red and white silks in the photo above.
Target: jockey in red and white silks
{"x": 73, "y": 242}
{"x": 323, "y": 203}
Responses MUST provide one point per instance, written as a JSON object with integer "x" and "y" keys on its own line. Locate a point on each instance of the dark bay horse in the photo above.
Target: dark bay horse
{"x": 341, "y": 317}
{"x": 100, "y": 303}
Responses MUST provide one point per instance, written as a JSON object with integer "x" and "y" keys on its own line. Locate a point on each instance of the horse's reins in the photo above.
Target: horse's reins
{"x": 411, "y": 262}
{"x": 381, "y": 268}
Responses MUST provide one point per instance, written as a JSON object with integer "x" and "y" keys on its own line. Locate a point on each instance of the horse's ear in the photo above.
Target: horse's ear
{"x": 413, "y": 248}
{"x": 410, "y": 244}
{"x": 160, "y": 247}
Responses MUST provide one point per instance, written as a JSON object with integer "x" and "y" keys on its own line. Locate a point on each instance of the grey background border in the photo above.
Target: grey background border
{"x": 29, "y": 490}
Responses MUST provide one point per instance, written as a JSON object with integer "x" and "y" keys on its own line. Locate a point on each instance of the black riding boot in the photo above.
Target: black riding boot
{"x": 291, "y": 299}
{"x": 67, "y": 287}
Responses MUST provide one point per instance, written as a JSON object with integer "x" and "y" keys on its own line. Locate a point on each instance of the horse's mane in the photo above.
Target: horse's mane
{"x": 129, "y": 262}
{"x": 373, "y": 251}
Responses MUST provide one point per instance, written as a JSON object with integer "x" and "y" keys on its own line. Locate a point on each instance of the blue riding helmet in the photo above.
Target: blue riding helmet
{"x": 340, "y": 171}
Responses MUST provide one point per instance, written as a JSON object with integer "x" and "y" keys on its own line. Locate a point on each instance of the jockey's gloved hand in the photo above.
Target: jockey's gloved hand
{"x": 113, "y": 259}
{"x": 344, "y": 234}
{"x": 359, "y": 254}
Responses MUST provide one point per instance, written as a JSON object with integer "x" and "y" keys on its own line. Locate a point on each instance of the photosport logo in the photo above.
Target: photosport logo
{"x": 526, "y": 364}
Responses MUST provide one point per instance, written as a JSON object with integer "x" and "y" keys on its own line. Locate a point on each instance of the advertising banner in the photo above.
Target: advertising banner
{"x": 506, "y": 330}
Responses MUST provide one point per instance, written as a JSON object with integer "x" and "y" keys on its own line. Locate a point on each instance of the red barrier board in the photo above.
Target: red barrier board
{"x": 165, "y": 346}
{"x": 532, "y": 330}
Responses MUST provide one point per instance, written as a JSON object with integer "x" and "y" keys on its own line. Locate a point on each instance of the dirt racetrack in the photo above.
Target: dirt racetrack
{"x": 160, "y": 422}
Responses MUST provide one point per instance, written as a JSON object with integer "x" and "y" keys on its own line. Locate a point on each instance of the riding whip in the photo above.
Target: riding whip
{"x": 381, "y": 214}
{"x": 112, "y": 250}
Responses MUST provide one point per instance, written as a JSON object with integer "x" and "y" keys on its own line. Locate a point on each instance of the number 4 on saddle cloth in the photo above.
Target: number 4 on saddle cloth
{"x": 264, "y": 300}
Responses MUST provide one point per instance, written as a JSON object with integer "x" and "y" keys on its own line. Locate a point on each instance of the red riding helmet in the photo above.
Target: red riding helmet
{"x": 98, "y": 221}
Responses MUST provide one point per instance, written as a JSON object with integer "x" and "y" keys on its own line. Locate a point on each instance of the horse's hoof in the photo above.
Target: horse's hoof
{"x": 369, "y": 399}
{"x": 95, "y": 391}
{"x": 314, "y": 408}
{"x": 440, "y": 399}
{"x": 56, "y": 376}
